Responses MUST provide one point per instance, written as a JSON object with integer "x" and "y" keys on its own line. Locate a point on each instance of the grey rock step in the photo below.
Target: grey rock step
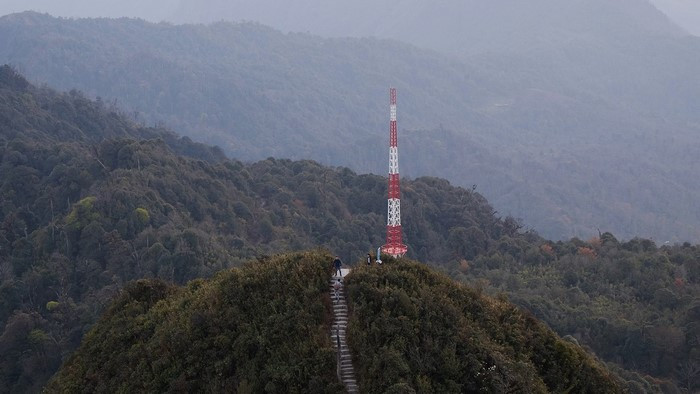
{"x": 338, "y": 337}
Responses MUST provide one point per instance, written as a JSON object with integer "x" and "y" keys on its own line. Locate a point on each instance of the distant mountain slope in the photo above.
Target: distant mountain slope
{"x": 264, "y": 328}
{"x": 554, "y": 135}
{"x": 455, "y": 26}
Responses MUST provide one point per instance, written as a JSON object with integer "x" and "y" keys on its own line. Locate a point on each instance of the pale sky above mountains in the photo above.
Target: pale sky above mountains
{"x": 685, "y": 13}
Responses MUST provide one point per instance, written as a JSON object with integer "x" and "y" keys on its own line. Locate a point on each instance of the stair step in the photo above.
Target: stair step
{"x": 338, "y": 336}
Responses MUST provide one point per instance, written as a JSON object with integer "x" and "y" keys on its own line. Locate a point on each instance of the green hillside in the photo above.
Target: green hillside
{"x": 578, "y": 133}
{"x": 110, "y": 202}
{"x": 260, "y": 328}
{"x": 265, "y": 328}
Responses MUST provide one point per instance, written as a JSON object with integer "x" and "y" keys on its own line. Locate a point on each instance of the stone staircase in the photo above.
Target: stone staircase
{"x": 346, "y": 373}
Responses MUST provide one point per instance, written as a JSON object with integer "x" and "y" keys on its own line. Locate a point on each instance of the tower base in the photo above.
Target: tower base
{"x": 395, "y": 250}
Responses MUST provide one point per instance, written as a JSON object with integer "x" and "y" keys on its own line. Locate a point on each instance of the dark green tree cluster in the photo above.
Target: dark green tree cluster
{"x": 262, "y": 328}
{"x": 632, "y": 303}
{"x": 413, "y": 330}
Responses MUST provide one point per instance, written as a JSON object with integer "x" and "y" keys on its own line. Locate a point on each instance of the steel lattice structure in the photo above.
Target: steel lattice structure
{"x": 394, "y": 237}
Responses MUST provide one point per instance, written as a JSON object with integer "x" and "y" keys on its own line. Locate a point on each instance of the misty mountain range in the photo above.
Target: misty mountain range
{"x": 575, "y": 116}
{"x": 285, "y": 15}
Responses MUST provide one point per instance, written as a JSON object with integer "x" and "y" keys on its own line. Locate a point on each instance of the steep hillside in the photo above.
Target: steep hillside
{"x": 265, "y": 327}
{"x": 261, "y": 328}
{"x": 411, "y": 327}
{"x": 570, "y": 135}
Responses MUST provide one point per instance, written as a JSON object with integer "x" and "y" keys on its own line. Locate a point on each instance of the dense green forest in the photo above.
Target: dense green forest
{"x": 92, "y": 201}
{"x": 412, "y": 328}
{"x": 571, "y": 136}
{"x": 265, "y": 328}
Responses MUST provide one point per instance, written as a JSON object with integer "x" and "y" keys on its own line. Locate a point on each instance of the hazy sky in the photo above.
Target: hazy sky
{"x": 684, "y": 12}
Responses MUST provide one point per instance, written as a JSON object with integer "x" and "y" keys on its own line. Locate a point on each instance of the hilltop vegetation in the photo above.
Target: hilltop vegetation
{"x": 410, "y": 327}
{"x": 92, "y": 201}
{"x": 260, "y": 328}
{"x": 579, "y": 132}
{"x": 265, "y": 328}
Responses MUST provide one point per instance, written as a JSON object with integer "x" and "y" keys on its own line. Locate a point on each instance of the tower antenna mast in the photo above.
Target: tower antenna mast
{"x": 394, "y": 238}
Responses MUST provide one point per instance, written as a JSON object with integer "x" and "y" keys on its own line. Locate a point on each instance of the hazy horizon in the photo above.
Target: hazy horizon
{"x": 685, "y": 13}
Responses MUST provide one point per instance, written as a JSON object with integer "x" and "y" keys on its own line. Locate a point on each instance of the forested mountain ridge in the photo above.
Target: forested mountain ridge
{"x": 266, "y": 328}
{"x": 571, "y": 137}
{"x": 80, "y": 219}
{"x": 43, "y": 114}
{"x": 84, "y": 215}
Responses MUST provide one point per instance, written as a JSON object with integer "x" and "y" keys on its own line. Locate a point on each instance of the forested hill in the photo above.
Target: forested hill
{"x": 266, "y": 328}
{"x": 39, "y": 114}
{"x": 91, "y": 201}
{"x": 571, "y": 136}
{"x": 84, "y": 214}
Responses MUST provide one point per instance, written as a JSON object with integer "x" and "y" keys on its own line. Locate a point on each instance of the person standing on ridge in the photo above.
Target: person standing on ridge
{"x": 369, "y": 259}
{"x": 337, "y": 263}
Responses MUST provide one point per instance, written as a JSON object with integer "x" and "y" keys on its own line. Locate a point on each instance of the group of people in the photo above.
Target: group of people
{"x": 337, "y": 263}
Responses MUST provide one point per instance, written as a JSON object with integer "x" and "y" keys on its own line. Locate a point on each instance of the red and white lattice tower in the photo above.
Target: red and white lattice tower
{"x": 394, "y": 242}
